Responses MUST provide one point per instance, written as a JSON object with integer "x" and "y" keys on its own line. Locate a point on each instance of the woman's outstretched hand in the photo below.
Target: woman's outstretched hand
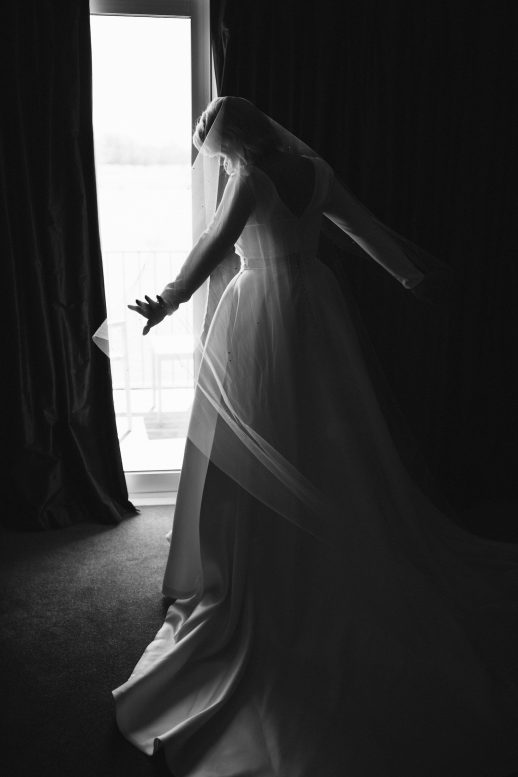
{"x": 155, "y": 312}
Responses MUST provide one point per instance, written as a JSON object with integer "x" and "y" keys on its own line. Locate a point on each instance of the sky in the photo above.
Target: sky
{"x": 141, "y": 78}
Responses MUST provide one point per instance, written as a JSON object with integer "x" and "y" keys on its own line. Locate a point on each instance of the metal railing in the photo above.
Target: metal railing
{"x": 129, "y": 275}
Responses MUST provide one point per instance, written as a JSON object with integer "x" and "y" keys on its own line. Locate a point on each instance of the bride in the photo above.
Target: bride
{"x": 329, "y": 619}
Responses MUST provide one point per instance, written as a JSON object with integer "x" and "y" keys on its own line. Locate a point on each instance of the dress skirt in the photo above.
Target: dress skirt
{"x": 329, "y": 619}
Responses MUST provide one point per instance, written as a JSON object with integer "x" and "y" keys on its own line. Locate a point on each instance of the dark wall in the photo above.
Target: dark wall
{"x": 415, "y": 105}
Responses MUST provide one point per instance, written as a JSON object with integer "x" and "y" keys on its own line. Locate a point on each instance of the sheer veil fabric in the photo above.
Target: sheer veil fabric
{"x": 329, "y": 618}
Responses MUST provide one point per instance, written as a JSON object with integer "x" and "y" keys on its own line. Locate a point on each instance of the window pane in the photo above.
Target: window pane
{"x": 142, "y": 129}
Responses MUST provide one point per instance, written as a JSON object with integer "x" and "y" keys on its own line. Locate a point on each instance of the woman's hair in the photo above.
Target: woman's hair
{"x": 245, "y": 133}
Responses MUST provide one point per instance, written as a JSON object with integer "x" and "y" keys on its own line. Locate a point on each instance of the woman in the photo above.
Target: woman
{"x": 329, "y": 619}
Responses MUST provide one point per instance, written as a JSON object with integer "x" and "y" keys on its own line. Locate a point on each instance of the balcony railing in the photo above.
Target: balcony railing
{"x": 153, "y": 376}
{"x": 130, "y": 275}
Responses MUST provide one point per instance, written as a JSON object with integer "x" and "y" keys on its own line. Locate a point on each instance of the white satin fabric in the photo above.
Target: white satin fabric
{"x": 330, "y": 621}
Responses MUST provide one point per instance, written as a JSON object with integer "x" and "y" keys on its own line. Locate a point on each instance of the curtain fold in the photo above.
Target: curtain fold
{"x": 415, "y": 107}
{"x": 64, "y": 458}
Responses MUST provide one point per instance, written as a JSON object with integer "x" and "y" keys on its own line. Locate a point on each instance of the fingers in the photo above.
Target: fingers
{"x": 151, "y": 310}
{"x": 149, "y": 303}
{"x": 153, "y": 303}
{"x": 138, "y": 310}
{"x": 145, "y": 309}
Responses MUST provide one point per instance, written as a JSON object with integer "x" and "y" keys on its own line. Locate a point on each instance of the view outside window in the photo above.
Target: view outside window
{"x": 142, "y": 133}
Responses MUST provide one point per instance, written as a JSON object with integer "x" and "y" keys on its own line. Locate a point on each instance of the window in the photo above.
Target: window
{"x": 151, "y": 79}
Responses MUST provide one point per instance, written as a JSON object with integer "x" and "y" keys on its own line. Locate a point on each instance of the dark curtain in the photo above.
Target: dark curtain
{"x": 64, "y": 463}
{"x": 415, "y": 106}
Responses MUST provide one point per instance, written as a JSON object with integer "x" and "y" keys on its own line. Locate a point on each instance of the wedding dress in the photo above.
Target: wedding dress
{"x": 330, "y": 620}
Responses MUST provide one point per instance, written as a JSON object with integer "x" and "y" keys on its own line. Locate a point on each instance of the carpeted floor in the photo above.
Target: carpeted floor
{"x": 78, "y": 606}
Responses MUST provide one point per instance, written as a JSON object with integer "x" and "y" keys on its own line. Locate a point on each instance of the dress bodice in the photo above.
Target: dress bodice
{"x": 273, "y": 231}
{"x": 253, "y": 217}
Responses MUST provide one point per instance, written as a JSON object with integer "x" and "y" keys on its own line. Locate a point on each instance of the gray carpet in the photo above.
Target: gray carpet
{"x": 78, "y": 605}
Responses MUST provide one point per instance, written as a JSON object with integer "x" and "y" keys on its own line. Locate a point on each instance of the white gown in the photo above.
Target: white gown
{"x": 330, "y": 621}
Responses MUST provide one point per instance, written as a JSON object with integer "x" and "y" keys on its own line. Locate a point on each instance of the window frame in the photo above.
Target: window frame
{"x": 160, "y": 487}
{"x": 198, "y": 11}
